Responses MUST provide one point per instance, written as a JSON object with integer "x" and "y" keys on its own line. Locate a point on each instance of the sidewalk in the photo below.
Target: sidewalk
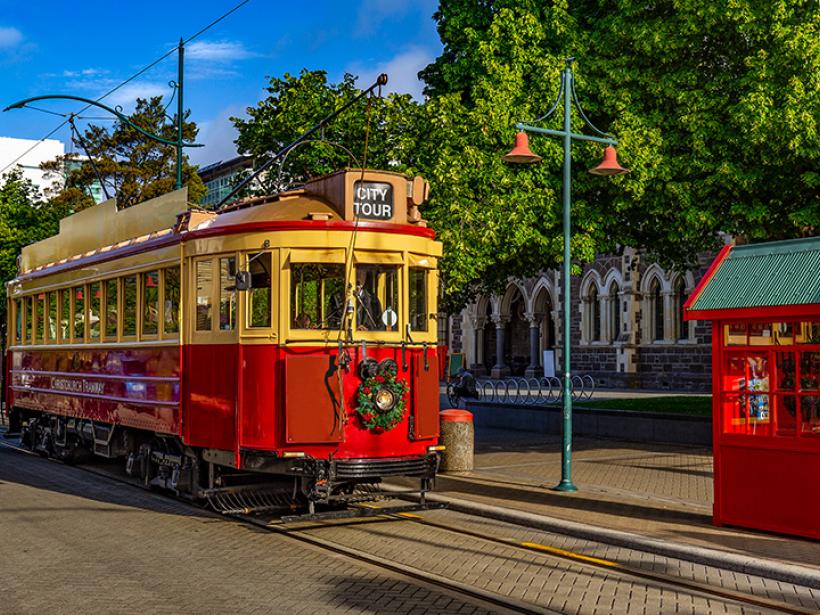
{"x": 658, "y": 491}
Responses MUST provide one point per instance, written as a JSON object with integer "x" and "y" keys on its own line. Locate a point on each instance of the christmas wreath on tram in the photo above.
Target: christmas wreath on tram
{"x": 381, "y": 401}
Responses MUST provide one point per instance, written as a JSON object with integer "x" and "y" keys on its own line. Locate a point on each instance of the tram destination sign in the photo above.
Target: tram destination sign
{"x": 373, "y": 200}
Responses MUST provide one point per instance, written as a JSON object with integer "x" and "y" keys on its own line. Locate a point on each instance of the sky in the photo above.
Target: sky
{"x": 86, "y": 48}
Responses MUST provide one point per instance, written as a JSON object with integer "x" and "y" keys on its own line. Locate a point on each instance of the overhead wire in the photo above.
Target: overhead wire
{"x": 117, "y": 87}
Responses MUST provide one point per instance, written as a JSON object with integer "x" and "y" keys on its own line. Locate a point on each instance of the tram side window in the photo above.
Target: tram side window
{"x": 18, "y": 321}
{"x": 129, "y": 306}
{"x": 52, "y": 316}
{"x": 111, "y": 308}
{"x": 204, "y": 295}
{"x": 30, "y": 320}
{"x": 79, "y": 314}
{"x": 39, "y": 314}
{"x": 150, "y": 303}
{"x": 418, "y": 299}
{"x": 94, "y": 312}
{"x": 259, "y": 307}
{"x": 317, "y": 296}
{"x": 227, "y": 293}
{"x": 65, "y": 315}
{"x": 377, "y": 297}
{"x": 171, "y": 300}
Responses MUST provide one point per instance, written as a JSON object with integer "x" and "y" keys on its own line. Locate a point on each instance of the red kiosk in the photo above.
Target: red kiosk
{"x": 764, "y": 301}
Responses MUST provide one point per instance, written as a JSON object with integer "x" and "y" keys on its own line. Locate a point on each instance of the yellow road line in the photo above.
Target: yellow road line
{"x": 556, "y": 551}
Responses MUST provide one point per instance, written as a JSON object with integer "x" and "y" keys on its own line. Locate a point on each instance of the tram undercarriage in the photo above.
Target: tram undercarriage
{"x": 262, "y": 483}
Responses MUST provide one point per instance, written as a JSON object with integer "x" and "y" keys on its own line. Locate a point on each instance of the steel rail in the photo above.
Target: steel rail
{"x": 614, "y": 567}
{"x": 474, "y": 594}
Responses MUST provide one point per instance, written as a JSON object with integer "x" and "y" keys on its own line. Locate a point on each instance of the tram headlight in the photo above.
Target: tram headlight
{"x": 384, "y": 399}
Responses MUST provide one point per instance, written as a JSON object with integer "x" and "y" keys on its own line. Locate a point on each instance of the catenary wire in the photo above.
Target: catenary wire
{"x": 117, "y": 87}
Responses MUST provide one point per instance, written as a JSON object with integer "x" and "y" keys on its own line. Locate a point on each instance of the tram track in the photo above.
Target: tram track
{"x": 478, "y": 596}
{"x": 474, "y": 595}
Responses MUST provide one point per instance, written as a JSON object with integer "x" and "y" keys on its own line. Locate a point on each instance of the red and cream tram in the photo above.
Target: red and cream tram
{"x": 281, "y": 349}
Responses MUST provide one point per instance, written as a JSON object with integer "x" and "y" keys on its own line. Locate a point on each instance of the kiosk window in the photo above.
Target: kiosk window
{"x": 171, "y": 300}
{"x": 810, "y": 414}
{"x": 79, "y": 314}
{"x": 746, "y": 399}
{"x": 129, "y": 306}
{"x": 317, "y": 296}
{"x": 150, "y": 302}
{"x": 227, "y": 293}
{"x": 204, "y": 295}
{"x": 95, "y": 300}
{"x": 418, "y": 299}
{"x": 111, "y": 309}
{"x": 259, "y": 307}
{"x": 377, "y": 297}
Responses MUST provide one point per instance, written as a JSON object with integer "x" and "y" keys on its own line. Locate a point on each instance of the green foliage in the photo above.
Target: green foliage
{"x": 296, "y": 103}
{"x": 716, "y": 109}
{"x": 138, "y": 168}
{"x": 24, "y": 219}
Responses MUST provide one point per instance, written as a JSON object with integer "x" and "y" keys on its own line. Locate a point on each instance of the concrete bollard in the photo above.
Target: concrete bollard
{"x": 458, "y": 435}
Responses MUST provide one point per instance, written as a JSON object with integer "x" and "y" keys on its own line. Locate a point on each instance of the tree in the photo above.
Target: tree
{"x": 296, "y": 103}
{"x": 716, "y": 110}
{"x": 24, "y": 219}
{"x": 136, "y": 167}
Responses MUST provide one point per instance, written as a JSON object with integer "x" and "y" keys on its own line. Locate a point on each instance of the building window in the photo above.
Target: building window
{"x": 594, "y": 315}
{"x": 656, "y": 300}
{"x": 681, "y": 326}
{"x": 614, "y": 313}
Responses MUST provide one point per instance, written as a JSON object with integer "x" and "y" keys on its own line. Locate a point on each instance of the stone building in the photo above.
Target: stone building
{"x": 627, "y": 328}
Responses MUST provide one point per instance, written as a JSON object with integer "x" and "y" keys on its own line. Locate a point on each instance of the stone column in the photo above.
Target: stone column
{"x": 533, "y": 369}
{"x": 627, "y": 351}
{"x": 477, "y": 366}
{"x": 500, "y": 370}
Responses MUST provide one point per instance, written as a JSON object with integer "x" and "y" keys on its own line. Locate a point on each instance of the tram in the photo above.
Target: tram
{"x": 281, "y": 350}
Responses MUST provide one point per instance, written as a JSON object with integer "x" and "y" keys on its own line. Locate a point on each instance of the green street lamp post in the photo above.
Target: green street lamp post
{"x": 521, "y": 154}
{"x": 178, "y": 143}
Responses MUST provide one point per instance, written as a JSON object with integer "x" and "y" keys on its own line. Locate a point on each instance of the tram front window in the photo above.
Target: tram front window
{"x": 377, "y": 297}
{"x": 317, "y": 296}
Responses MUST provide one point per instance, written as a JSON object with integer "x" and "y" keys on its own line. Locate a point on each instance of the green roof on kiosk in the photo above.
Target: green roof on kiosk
{"x": 774, "y": 274}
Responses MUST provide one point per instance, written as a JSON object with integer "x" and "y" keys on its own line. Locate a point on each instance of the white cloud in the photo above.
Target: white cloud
{"x": 10, "y": 37}
{"x": 85, "y": 72}
{"x": 218, "y": 135}
{"x": 217, "y": 51}
{"x": 402, "y": 72}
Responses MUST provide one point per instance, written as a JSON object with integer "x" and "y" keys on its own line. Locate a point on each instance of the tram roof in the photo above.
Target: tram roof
{"x": 326, "y": 201}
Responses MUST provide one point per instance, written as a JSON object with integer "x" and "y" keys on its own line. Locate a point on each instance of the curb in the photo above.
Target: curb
{"x": 767, "y": 568}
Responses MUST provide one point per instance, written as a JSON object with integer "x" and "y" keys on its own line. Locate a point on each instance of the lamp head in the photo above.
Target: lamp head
{"x": 521, "y": 153}
{"x": 609, "y": 165}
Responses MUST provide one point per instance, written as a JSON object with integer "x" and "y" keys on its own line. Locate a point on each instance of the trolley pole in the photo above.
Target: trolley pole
{"x": 521, "y": 154}
{"x": 180, "y": 113}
